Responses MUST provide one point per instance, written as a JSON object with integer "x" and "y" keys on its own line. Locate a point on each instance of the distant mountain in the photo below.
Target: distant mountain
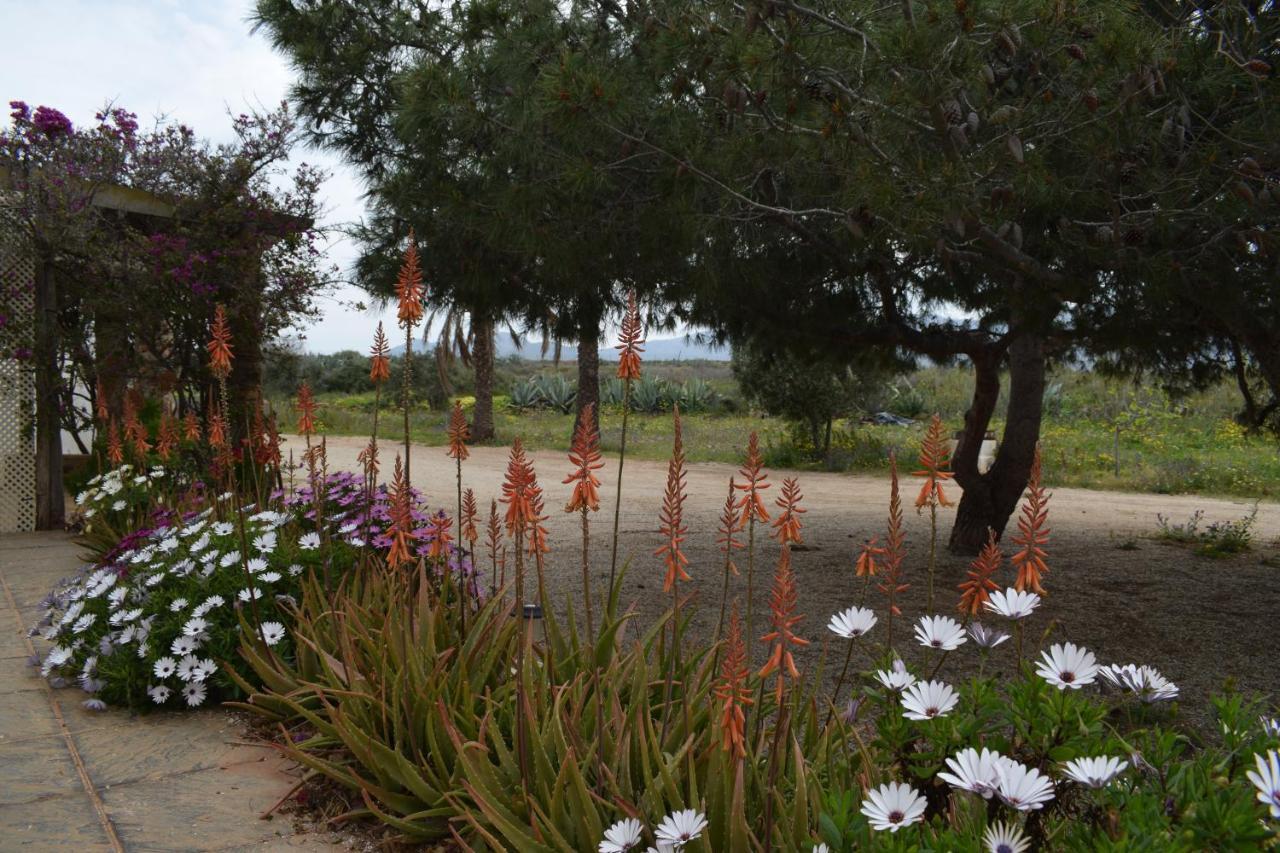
{"x": 655, "y": 349}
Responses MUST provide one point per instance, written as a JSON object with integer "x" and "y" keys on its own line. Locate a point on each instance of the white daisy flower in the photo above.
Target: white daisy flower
{"x": 90, "y": 512}
{"x": 925, "y": 700}
{"x": 200, "y": 544}
{"x": 1094, "y": 772}
{"x": 1021, "y": 787}
{"x": 128, "y": 635}
{"x": 257, "y": 564}
{"x": 71, "y": 613}
{"x": 622, "y": 836}
{"x": 1068, "y": 666}
{"x": 154, "y": 579}
{"x": 231, "y": 558}
{"x": 209, "y": 603}
{"x": 852, "y": 623}
{"x": 974, "y": 771}
{"x": 272, "y": 632}
{"x": 188, "y": 668}
{"x": 295, "y": 570}
{"x": 681, "y": 827}
{"x": 164, "y": 667}
{"x": 939, "y": 632}
{"x": 177, "y": 604}
{"x": 223, "y": 528}
{"x": 895, "y": 678}
{"x": 81, "y": 498}
{"x": 118, "y": 505}
{"x": 268, "y": 577}
{"x": 1005, "y": 838}
{"x": 1013, "y": 604}
{"x": 182, "y": 568}
{"x": 140, "y": 479}
{"x": 116, "y": 596}
{"x": 265, "y": 544}
{"x": 1267, "y": 780}
{"x": 195, "y": 627}
{"x": 194, "y": 692}
{"x": 203, "y": 669}
{"x": 249, "y": 593}
{"x": 1145, "y": 682}
{"x": 169, "y": 545}
{"x": 309, "y": 541}
{"x": 58, "y": 655}
{"x": 893, "y": 806}
{"x": 987, "y": 638}
{"x": 184, "y": 646}
{"x": 83, "y": 623}
{"x": 159, "y": 694}
{"x": 1270, "y": 725}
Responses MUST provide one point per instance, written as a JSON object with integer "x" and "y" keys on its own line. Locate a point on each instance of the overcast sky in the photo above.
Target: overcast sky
{"x": 189, "y": 60}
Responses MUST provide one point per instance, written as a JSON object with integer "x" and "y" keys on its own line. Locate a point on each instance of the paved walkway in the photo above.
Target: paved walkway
{"x": 71, "y": 779}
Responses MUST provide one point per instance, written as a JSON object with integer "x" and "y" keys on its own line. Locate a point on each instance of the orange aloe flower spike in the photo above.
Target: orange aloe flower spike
{"x": 402, "y": 534}
{"x": 867, "y": 566}
{"x": 169, "y": 437}
{"x": 306, "y": 408}
{"x": 787, "y": 525}
{"x": 459, "y": 432}
{"x": 441, "y": 531}
{"x": 782, "y": 605}
{"x": 584, "y": 456}
{"x": 217, "y": 429}
{"x": 100, "y": 409}
{"x": 380, "y": 358}
{"x": 975, "y": 591}
{"x": 1032, "y": 535}
{"x": 515, "y": 489}
{"x": 935, "y": 458}
{"x": 537, "y": 542}
{"x": 733, "y": 690}
{"x": 115, "y": 448}
{"x": 755, "y": 481}
{"x": 219, "y": 345}
{"x": 671, "y": 516}
{"x": 191, "y": 426}
{"x": 368, "y": 459}
{"x": 409, "y": 288}
{"x": 730, "y": 525}
{"x": 470, "y": 512}
{"x": 630, "y": 342}
{"x": 895, "y": 544}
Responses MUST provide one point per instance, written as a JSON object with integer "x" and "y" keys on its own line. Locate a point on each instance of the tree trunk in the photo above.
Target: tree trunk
{"x": 589, "y": 364}
{"x": 990, "y": 499}
{"x": 50, "y": 503}
{"x": 482, "y": 362}
{"x": 111, "y": 357}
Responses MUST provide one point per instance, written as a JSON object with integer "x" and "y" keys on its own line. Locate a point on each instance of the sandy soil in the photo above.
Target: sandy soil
{"x": 1127, "y": 597}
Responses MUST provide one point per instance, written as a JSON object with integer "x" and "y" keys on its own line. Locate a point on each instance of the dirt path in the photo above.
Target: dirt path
{"x": 1127, "y": 597}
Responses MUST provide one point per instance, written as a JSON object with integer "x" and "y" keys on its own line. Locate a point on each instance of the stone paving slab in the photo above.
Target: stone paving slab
{"x": 72, "y": 779}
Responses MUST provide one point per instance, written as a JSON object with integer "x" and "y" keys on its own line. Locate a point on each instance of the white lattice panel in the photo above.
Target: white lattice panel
{"x": 17, "y": 387}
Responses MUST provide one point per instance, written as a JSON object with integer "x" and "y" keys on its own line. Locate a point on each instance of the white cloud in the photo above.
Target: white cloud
{"x": 189, "y": 61}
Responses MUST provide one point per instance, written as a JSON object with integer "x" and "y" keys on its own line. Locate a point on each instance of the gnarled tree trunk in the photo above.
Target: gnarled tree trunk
{"x": 482, "y": 363}
{"x": 589, "y": 363}
{"x": 990, "y": 499}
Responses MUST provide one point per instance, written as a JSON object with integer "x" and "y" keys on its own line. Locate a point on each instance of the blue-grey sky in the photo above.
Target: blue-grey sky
{"x": 188, "y": 60}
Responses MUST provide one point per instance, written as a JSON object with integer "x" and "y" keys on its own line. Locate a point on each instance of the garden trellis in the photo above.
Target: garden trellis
{"x": 17, "y": 387}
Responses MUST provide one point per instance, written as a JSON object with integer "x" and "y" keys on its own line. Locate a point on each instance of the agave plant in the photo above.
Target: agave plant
{"x": 650, "y": 396}
{"x": 557, "y": 393}
{"x": 526, "y": 395}
{"x": 611, "y": 392}
{"x": 696, "y": 395}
